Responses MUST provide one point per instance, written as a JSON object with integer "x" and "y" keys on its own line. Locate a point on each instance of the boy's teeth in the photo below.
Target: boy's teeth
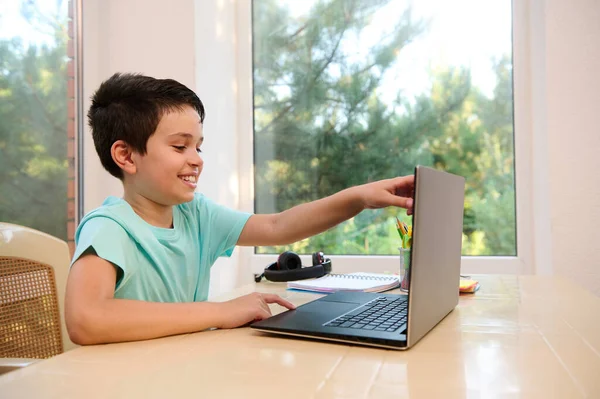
{"x": 189, "y": 178}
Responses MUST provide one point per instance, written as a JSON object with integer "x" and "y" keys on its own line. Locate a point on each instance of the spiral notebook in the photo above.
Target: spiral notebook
{"x": 365, "y": 282}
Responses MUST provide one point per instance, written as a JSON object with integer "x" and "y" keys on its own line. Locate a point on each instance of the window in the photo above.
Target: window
{"x": 37, "y": 116}
{"x": 347, "y": 92}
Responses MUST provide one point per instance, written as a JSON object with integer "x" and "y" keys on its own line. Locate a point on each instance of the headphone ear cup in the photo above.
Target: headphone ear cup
{"x": 289, "y": 260}
{"x": 289, "y": 268}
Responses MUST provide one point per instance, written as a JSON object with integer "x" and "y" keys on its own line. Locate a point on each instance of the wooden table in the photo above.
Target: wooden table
{"x": 519, "y": 336}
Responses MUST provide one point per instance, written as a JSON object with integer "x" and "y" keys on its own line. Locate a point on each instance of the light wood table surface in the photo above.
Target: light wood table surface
{"x": 517, "y": 337}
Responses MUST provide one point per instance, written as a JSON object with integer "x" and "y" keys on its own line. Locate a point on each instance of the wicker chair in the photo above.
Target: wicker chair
{"x": 33, "y": 274}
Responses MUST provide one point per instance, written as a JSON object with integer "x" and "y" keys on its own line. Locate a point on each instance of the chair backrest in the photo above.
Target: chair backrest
{"x": 33, "y": 274}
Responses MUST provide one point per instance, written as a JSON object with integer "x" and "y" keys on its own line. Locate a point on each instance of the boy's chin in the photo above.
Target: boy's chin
{"x": 186, "y": 198}
{"x": 175, "y": 200}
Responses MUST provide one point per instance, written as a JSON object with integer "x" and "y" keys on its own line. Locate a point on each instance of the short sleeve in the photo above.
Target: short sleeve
{"x": 225, "y": 226}
{"x": 107, "y": 239}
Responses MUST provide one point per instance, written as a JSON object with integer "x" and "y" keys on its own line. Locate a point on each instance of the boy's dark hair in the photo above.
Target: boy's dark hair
{"x": 129, "y": 107}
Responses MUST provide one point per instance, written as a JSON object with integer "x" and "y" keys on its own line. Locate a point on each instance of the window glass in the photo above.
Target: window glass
{"x": 347, "y": 92}
{"x": 36, "y": 123}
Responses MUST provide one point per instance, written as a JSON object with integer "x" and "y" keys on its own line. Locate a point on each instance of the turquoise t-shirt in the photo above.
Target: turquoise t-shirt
{"x": 158, "y": 264}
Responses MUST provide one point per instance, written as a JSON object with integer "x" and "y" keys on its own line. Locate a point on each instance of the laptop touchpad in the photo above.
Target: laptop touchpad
{"x": 328, "y": 308}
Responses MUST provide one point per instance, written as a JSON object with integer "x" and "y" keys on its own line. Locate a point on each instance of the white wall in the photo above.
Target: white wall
{"x": 572, "y": 32}
{"x": 131, "y": 36}
{"x": 195, "y": 43}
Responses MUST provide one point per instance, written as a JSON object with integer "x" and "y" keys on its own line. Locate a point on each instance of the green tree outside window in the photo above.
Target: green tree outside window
{"x": 322, "y": 123}
{"x": 33, "y": 119}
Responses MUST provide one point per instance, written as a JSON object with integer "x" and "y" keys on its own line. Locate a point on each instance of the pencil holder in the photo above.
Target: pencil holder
{"x": 404, "y": 268}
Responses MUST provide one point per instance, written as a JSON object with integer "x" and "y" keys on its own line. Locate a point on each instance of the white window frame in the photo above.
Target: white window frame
{"x": 530, "y": 160}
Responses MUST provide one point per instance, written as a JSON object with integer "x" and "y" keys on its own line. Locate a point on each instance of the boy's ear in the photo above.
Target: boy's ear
{"x": 122, "y": 154}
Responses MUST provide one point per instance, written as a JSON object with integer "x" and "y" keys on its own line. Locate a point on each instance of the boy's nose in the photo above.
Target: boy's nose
{"x": 196, "y": 159}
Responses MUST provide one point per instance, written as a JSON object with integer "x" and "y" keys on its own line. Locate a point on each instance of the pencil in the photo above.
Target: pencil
{"x": 401, "y": 227}
{"x": 399, "y": 232}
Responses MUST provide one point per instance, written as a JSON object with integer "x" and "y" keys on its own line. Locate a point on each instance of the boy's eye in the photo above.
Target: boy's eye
{"x": 198, "y": 150}
{"x": 179, "y": 147}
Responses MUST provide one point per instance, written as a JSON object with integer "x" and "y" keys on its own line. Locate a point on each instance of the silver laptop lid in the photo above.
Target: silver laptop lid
{"x": 436, "y": 249}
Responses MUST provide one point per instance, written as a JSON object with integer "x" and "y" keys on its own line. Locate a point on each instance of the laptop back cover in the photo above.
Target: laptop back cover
{"x": 436, "y": 249}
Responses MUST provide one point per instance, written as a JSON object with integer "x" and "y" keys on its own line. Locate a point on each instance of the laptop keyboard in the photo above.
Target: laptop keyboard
{"x": 380, "y": 314}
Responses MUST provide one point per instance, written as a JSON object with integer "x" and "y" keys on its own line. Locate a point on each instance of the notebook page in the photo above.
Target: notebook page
{"x": 374, "y": 282}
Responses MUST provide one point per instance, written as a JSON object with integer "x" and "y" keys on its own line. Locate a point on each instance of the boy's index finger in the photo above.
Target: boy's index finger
{"x": 273, "y": 298}
{"x": 408, "y": 180}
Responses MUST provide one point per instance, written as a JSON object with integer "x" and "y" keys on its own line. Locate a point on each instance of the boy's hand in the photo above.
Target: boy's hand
{"x": 249, "y": 308}
{"x": 390, "y": 192}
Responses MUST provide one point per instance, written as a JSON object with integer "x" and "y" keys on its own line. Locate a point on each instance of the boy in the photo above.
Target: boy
{"x": 142, "y": 263}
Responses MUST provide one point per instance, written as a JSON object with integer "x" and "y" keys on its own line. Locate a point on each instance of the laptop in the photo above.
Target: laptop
{"x": 396, "y": 321}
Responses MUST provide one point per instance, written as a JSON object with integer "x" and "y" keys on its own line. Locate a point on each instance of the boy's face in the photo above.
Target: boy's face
{"x": 168, "y": 173}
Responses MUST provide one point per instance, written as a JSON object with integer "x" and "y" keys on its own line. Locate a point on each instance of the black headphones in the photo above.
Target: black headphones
{"x": 289, "y": 268}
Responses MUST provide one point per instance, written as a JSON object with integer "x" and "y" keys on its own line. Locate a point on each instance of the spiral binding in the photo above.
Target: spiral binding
{"x": 365, "y": 277}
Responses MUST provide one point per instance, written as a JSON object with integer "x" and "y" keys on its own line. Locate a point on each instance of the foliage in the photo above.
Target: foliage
{"x": 33, "y": 120}
{"x": 321, "y": 126}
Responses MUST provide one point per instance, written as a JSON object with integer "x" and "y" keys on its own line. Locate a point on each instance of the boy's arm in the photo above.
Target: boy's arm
{"x": 314, "y": 217}
{"x": 93, "y": 316}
